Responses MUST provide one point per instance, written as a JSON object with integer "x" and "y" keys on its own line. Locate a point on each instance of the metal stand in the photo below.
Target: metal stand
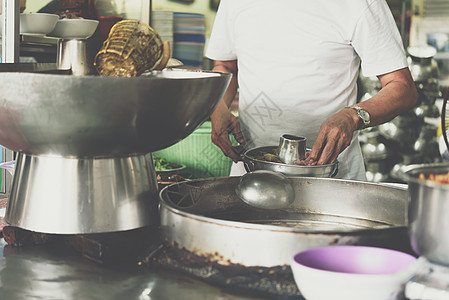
{"x": 68, "y": 195}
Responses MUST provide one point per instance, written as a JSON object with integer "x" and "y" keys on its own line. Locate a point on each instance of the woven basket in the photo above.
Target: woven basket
{"x": 131, "y": 48}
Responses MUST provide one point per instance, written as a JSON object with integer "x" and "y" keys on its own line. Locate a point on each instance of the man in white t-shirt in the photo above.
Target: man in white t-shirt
{"x": 296, "y": 65}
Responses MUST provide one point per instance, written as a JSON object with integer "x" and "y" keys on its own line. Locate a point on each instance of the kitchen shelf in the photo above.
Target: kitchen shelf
{"x": 42, "y": 48}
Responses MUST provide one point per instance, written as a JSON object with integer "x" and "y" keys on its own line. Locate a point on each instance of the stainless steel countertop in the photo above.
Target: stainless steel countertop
{"x": 44, "y": 272}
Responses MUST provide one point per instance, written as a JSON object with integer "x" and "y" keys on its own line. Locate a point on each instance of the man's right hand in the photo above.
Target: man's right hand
{"x": 223, "y": 124}
{"x": 223, "y": 121}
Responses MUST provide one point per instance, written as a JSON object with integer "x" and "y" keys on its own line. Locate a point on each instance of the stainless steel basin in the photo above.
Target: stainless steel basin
{"x": 82, "y": 142}
{"x": 93, "y": 116}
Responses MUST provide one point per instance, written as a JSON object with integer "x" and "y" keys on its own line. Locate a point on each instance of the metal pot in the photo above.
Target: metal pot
{"x": 424, "y": 69}
{"x": 207, "y": 218}
{"x": 428, "y": 212}
{"x": 252, "y": 163}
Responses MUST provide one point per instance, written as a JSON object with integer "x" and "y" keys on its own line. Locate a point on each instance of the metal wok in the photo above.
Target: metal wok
{"x": 207, "y": 218}
{"x": 82, "y": 142}
{"x": 93, "y": 116}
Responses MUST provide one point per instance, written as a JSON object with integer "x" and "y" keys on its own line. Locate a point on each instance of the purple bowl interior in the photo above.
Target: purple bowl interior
{"x": 355, "y": 259}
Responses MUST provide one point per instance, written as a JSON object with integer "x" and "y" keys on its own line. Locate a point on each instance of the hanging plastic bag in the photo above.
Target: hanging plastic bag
{"x": 9, "y": 166}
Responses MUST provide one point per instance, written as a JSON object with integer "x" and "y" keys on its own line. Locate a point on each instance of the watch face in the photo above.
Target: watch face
{"x": 364, "y": 115}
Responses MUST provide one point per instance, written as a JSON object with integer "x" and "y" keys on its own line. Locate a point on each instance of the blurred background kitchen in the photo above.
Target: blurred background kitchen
{"x": 413, "y": 137}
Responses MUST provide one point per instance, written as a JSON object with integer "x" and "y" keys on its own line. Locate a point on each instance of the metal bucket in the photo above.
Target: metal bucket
{"x": 207, "y": 218}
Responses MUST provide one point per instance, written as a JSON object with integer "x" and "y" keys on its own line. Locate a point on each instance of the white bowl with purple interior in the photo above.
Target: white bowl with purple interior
{"x": 353, "y": 272}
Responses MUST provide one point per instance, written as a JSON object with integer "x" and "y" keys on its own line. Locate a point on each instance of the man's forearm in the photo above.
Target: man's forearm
{"x": 228, "y": 67}
{"x": 398, "y": 94}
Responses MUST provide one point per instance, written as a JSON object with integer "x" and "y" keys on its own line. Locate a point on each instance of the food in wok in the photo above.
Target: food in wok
{"x": 273, "y": 157}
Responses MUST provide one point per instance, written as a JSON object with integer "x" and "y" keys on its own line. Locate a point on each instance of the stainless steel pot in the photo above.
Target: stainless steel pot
{"x": 428, "y": 212}
{"x": 207, "y": 218}
{"x": 252, "y": 163}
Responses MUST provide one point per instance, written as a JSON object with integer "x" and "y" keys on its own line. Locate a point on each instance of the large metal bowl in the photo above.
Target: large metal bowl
{"x": 428, "y": 212}
{"x": 207, "y": 218}
{"x": 93, "y": 116}
{"x": 252, "y": 163}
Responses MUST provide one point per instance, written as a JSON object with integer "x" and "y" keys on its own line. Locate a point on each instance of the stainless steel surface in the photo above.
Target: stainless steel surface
{"x": 252, "y": 164}
{"x": 93, "y": 116}
{"x": 68, "y": 195}
{"x": 428, "y": 213}
{"x": 207, "y": 218}
{"x": 46, "y": 272}
{"x": 291, "y": 148}
{"x": 72, "y": 54}
{"x": 266, "y": 189}
{"x": 10, "y": 18}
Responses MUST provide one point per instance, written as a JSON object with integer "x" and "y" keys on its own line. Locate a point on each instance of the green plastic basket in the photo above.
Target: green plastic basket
{"x": 201, "y": 157}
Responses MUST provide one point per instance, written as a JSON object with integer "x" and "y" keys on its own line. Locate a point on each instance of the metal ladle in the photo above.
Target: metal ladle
{"x": 266, "y": 189}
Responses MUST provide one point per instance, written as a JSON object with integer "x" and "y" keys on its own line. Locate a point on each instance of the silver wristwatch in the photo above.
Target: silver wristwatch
{"x": 362, "y": 113}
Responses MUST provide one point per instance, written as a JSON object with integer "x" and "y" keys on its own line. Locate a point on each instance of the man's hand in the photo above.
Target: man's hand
{"x": 334, "y": 136}
{"x": 223, "y": 121}
{"x": 223, "y": 124}
{"x": 398, "y": 94}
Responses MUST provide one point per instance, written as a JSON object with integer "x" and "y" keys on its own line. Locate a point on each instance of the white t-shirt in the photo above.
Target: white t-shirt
{"x": 298, "y": 63}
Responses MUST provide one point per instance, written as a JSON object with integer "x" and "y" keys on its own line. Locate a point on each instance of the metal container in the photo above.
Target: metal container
{"x": 428, "y": 212}
{"x": 207, "y": 218}
{"x": 72, "y": 54}
{"x": 291, "y": 148}
{"x": 82, "y": 142}
{"x": 424, "y": 69}
{"x": 252, "y": 163}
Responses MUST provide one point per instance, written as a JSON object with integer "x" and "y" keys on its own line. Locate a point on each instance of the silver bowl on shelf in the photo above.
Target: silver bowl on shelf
{"x": 252, "y": 161}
